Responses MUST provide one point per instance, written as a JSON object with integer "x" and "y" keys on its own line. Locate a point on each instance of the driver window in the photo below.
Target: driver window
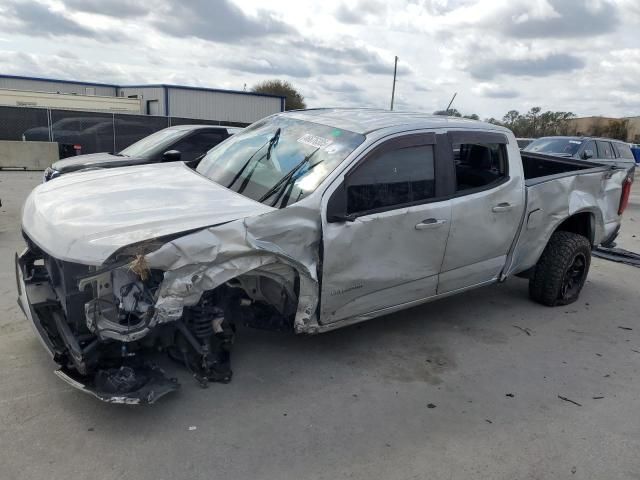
{"x": 392, "y": 179}
{"x": 590, "y": 147}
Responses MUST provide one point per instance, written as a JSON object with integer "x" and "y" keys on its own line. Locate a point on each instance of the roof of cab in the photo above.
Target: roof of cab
{"x": 583, "y": 138}
{"x": 365, "y": 120}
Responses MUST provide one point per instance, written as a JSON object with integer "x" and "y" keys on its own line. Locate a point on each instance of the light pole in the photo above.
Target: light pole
{"x": 393, "y": 89}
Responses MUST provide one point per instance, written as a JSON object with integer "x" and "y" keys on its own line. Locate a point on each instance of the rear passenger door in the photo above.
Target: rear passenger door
{"x": 605, "y": 151}
{"x": 486, "y": 209}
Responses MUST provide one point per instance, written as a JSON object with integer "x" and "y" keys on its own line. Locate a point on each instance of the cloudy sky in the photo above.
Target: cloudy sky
{"x": 572, "y": 55}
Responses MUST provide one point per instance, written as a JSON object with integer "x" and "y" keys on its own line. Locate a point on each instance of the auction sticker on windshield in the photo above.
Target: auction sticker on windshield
{"x": 314, "y": 141}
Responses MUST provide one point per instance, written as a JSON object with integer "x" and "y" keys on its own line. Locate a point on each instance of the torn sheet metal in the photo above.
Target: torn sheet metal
{"x": 86, "y": 217}
{"x": 551, "y": 202}
{"x": 206, "y": 259}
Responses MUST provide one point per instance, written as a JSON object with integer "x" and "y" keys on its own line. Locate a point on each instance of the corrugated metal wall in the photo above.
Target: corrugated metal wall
{"x": 223, "y": 106}
{"x": 184, "y": 102}
{"x": 62, "y": 87}
{"x": 146, "y": 93}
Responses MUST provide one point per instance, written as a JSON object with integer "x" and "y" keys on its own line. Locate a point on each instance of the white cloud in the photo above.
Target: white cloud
{"x": 492, "y": 90}
{"x": 571, "y": 55}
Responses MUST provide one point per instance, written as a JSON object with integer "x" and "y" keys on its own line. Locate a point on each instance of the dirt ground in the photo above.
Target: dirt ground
{"x": 466, "y": 387}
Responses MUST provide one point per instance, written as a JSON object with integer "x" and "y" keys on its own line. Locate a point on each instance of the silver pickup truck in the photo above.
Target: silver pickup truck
{"x": 309, "y": 221}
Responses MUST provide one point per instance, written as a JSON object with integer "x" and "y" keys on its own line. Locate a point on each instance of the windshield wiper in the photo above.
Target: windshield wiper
{"x": 288, "y": 179}
{"x": 270, "y": 142}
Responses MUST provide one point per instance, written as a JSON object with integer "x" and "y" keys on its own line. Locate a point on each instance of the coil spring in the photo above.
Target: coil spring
{"x": 200, "y": 319}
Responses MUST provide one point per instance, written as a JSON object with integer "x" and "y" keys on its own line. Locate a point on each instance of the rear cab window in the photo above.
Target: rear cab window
{"x": 623, "y": 150}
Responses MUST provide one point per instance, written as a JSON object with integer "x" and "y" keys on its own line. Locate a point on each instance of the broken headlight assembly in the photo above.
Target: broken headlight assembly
{"x": 123, "y": 310}
{"x": 122, "y": 307}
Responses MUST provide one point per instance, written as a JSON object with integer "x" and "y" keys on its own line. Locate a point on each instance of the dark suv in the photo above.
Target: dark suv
{"x": 600, "y": 150}
{"x": 187, "y": 143}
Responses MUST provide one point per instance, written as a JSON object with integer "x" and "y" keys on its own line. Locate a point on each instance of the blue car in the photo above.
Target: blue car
{"x": 635, "y": 149}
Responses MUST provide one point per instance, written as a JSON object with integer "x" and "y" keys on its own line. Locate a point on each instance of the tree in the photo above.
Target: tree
{"x": 532, "y": 116}
{"x": 619, "y": 129}
{"x": 510, "y": 118}
{"x": 294, "y": 99}
{"x": 536, "y": 124}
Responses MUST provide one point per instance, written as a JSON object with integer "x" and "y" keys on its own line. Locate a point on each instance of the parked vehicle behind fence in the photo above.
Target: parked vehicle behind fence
{"x": 307, "y": 220}
{"x": 186, "y": 143}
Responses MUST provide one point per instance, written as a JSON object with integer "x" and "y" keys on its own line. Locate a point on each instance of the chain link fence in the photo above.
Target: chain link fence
{"x": 16, "y": 121}
{"x": 80, "y": 132}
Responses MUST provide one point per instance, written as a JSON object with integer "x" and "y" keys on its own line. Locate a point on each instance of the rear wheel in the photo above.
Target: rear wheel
{"x": 562, "y": 270}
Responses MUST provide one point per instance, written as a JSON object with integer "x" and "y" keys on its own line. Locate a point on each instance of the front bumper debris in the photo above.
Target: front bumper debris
{"x": 124, "y": 385}
{"x": 132, "y": 381}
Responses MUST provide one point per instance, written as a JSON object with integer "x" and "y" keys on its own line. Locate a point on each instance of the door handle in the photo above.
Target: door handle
{"x": 430, "y": 223}
{"x": 502, "y": 207}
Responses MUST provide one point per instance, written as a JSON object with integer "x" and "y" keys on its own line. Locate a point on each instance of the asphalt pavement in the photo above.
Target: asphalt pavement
{"x": 483, "y": 385}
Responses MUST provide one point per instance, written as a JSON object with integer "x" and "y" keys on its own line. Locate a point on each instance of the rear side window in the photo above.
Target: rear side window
{"x": 392, "y": 178}
{"x": 479, "y": 165}
{"x": 604, "y": 149}
{"x": 623, "y": 150}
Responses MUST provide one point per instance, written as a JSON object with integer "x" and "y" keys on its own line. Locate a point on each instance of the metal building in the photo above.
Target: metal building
{"x": 204, "y": 103}
{"x": 164, "y": 100}
{"x": 34, "y": 84}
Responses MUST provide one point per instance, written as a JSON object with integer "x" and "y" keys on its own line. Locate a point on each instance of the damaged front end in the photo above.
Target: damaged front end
{"x": 102, "y": 326}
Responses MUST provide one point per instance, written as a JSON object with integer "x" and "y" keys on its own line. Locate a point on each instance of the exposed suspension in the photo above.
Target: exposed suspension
{"x": 204, "y": 341}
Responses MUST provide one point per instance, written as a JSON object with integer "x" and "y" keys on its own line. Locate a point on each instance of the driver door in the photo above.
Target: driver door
{"x": 385, "y": 230}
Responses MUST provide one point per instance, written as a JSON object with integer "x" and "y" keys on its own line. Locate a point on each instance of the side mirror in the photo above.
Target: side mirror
{"x": 587, "y": 154}
{"x": 337, "y": 206}
{"x": 171, "y": 156}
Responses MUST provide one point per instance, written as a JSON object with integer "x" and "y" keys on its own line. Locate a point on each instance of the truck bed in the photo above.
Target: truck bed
{"x": 540, "y": 167}
{"x": 557, "y": 188}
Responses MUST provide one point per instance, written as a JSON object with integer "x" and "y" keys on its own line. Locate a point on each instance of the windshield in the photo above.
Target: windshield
{"x": 523, "y": 142}
{"x": 280, "y": 160}
{"x": 558, "y": 146}
{"x": 149, "y": 146}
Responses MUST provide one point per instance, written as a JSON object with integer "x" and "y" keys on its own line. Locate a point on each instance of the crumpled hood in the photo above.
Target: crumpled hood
{"x": 86, "y": 217}
{"x": 95, "y": 160}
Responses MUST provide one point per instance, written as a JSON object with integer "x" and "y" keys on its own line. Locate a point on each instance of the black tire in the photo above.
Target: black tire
{"x": 562, "y": 270}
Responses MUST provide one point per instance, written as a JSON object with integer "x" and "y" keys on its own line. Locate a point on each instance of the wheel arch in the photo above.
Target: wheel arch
{"x": 583, "y": 223}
